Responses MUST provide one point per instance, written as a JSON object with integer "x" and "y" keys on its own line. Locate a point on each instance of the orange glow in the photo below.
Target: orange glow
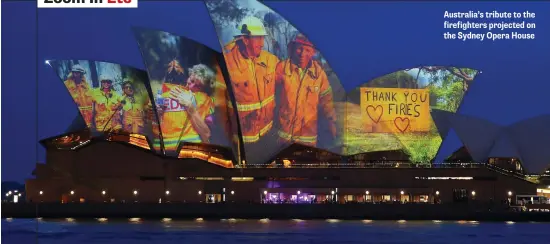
{"x": 286, "y": 163}
{"x": 186, "y": 153}
{"x": 139, "y": 140}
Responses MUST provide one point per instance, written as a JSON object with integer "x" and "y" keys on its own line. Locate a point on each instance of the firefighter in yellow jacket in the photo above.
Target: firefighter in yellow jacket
{"x": 305, "y": 90}
{"x": 80, "y": 92}
{"x": 133, "y": 110}
{"x": 187, "y": 110}
{"x": 252, "y": 72}
{"x": 107, "y": 106}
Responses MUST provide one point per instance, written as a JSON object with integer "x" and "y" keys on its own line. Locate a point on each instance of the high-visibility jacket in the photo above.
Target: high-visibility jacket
{"x": 82, "y": 96}
{"x": 253, "y": 82}
{"x": 106, "y": 108}
{"x": 303, "y": 93}
{"x": 133, "y": 114}
{"x": 175, "y": 123}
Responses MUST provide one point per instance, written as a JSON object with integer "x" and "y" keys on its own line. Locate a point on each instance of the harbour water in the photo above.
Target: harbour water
{"x": 229, "y": 231}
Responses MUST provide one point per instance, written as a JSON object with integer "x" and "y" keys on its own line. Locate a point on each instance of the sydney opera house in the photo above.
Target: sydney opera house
{"x": 268, "y": 121}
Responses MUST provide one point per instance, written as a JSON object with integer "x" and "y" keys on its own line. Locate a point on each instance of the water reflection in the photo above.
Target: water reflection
{"x": 232, "y": 231}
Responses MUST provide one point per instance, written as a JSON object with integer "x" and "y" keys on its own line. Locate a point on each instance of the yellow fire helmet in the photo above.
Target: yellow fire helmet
{"x": 251, "y": 26}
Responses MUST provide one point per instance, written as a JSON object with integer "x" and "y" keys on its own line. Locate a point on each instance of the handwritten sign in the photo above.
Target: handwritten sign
{"x": 395, "y": 110}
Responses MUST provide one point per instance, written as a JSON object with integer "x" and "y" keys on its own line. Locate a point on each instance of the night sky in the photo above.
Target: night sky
{"x": 360, "y": 40}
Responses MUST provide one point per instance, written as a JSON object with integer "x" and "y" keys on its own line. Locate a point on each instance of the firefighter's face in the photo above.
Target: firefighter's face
{"x": 128, "y": 90}
{"x": 105, "y": 84}
{"x": 194, "y": 83}
{"x": 254, "y": 45}
{"x": 77, "y": 75}
{"x": 303, "y": 54}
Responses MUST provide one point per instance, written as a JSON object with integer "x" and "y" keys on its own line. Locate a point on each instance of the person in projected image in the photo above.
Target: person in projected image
{"x": 107, "y": 105}
{"x": 303, "y": 91}
{"x": 80, "y": 91}
{"x": 252, "y": 72}
{"x": 133, "y": 109}
{"x": 186, "y": 111}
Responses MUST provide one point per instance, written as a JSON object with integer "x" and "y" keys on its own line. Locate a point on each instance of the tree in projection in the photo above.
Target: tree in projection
{"x": 227, "y": 11}
{"x": 448, "y": 85}
{"x": 160, "y": 55}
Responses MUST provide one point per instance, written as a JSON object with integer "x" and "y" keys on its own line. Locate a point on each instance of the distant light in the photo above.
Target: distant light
{"x": 402, "y": 192}
{"x": 332, "y": 192}
{"x": 72, "y": 192}
{"x": 437, "y": 221}
{"x": 47, "y": 62}
{"x": 102, "y": 219}
{"x": 135, "y": 219}
{"x": 299, "y": 192}
{"x": 265, "y": 192}
{"x": 19, "y": 194}
{"x": 166, "y": 219}
{"x": 69, "y": 219}
{"x": 437, "y": 193}
{"x": 473, "y": 193}
{"x": 333, "y": 220}
{"x": 41, "y": 192}
{"x": 402, "y": 221}
{"x": 167, "y": 192}
{"x": 200, "y": 192}
{"x": 367, "y": 221}
{"x": 510, "y": 222}
{"x": 199, "y": 219}
{"x": 15, "y": 191}
{"x": 9, "y": 192}
{"x": 103, "y": 192}
{"x": 509, "y": 193}
{"x": 135, "y": 192}
{"x": 265, "y": 220}
{"x": 232, "y": 192}
{"x": 367, "y": 192}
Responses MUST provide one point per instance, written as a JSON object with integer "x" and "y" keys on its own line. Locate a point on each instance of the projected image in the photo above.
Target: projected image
{"x": 392, "y": 112}
{"x": 111, "y": 98}
{"x": 191, "y": 97}
{"x": 284, "y": 89}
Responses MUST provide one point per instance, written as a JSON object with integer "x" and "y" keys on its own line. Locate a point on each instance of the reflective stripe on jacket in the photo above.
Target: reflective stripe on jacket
{"x": 253, "y": 82}
{"x": 301, "y": 97}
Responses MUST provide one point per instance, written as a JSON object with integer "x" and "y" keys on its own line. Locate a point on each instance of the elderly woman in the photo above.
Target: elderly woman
{"x": 187, "y": 109}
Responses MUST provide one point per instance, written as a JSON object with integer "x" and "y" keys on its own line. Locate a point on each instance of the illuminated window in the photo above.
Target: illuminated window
{"x": 242, "y": 178}
{"x": 443, "y": 178}
{"x": 201, "y": 178}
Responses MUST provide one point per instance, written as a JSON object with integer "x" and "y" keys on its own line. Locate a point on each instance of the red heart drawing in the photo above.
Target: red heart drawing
{"x": 373, "y": 113}
{"x": 402, "y": 124}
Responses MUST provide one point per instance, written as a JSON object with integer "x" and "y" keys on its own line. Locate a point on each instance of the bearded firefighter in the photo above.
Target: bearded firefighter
{"x": 252, "y": 72}
{"x": 305, "y": 90}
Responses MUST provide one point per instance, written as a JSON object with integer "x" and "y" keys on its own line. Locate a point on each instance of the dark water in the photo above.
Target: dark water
{"x": 134, "y": 231}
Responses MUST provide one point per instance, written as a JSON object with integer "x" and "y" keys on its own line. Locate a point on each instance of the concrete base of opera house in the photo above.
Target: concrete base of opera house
{"x": 470, "y": 212}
